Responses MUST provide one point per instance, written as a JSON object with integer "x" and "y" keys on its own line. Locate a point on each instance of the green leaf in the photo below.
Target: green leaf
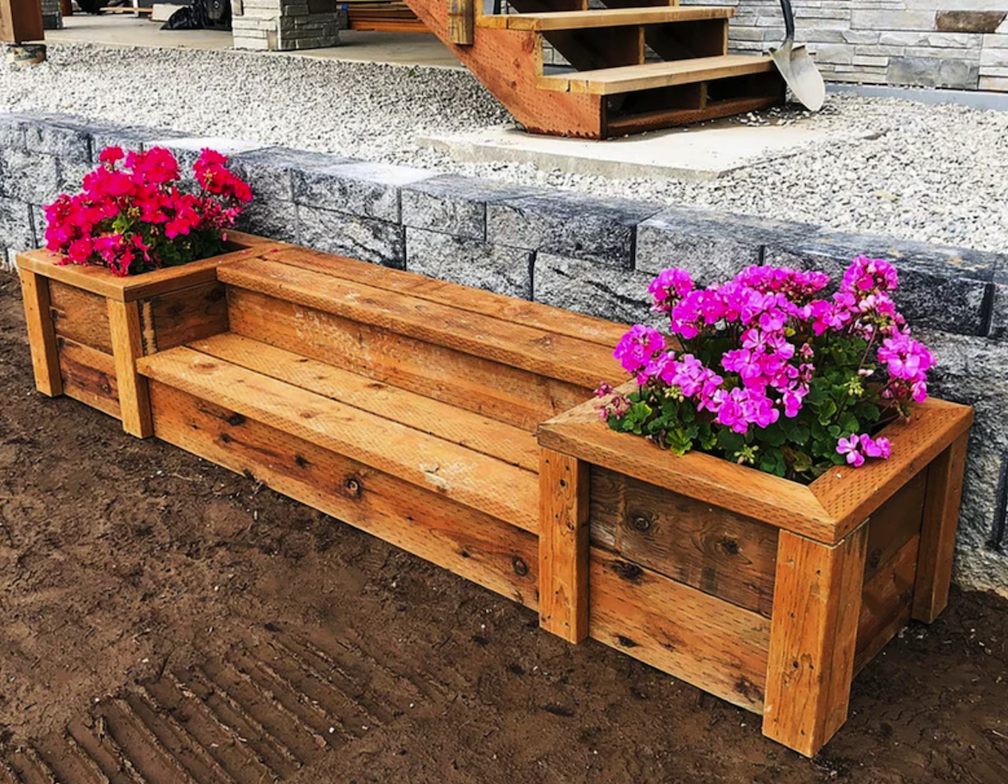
{"x": 826, "y": 411}
{"x": 773, "y": 435}
{"x": 730, "y": 441}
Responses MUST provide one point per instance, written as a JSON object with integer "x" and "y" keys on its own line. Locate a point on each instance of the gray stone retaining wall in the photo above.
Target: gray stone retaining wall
{"x": 572, "y": 251}
{"x": 960, "y": 44}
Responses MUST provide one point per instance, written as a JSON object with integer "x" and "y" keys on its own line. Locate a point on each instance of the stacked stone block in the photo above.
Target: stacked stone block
{"x": 567, "y": 249}
{"x": 52, "y": 19}
{"x": 962, "y": 44}
{"x": 284, "y": 25}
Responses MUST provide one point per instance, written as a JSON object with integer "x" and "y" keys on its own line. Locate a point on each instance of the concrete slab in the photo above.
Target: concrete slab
{"x": 355, "y": 45}
{"x": 699, "y": 153}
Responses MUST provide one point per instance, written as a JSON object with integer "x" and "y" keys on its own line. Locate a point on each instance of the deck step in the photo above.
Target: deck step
{"x": 546, "y": 353}
{"x": 634, "y": 78}
{"x": 609, "y": 17}
{"x": 451, "y": 470}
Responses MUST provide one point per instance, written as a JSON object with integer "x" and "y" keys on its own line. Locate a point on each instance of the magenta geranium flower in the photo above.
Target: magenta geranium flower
{"x": 132, "y": 217}
{"x": 801, "y": 381}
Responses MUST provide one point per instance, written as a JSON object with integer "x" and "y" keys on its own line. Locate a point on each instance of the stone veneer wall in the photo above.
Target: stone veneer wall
{"x": 572, "y": 251}
{"x": 959, "y": 44}
{"x": 284, "y": 25}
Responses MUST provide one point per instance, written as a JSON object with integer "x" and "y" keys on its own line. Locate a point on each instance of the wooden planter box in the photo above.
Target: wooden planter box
{"x": 767, "y": 593}
{"x": 87, "y": 326}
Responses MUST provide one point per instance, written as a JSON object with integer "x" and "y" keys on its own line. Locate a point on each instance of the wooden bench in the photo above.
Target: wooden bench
{"x": 400, "y": 404}
{"x": 458, "y": 425}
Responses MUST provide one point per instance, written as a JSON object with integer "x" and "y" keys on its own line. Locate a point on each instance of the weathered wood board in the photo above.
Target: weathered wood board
{"x": 476, "y": 546}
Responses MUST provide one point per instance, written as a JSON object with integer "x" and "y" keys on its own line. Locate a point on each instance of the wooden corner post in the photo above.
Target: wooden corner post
{"x": 20, "y": 21}
{"x": 41, "y": 333}
{"x": 127, "y": 346}
{"x": 938, "y": 531}
{"x": 563, "y": 545}
{"x": 462, "y": 22}
{"x": 817, "y": 602}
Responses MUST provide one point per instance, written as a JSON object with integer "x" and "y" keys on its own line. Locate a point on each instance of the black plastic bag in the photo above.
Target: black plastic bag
{"x": 200, "y": 15}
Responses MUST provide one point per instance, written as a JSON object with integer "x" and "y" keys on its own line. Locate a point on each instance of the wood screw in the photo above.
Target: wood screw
{"x": 641, "y": 523}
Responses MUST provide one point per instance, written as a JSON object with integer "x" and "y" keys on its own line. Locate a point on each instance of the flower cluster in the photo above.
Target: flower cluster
{"x": 131, "y": 216}
{"x": 764, "y": 369}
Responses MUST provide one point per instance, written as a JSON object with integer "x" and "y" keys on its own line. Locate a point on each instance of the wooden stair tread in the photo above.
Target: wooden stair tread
{"x": 632, "y": 78}
{"x": 472, "y": 431}
{"x": 455, "y": 472}
{"x": 608, "y": 17}
{"x": 500, "y": 306}
{"x": 545, "y": 353}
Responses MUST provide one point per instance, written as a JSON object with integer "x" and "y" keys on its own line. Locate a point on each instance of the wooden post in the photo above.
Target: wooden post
{"x": 938, "y": 531}
{"x": 41, "y": 333}
{"x": 563, "y": 545}
{"x": 462, "y": 22}
{"x": 66, "y": 7}
{"x": 20, "y": 21}
{"x": 817, "y": 601}
{"x": 127, "y": 346}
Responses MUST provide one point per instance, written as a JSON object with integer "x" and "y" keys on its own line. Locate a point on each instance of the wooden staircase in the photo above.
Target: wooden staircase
{"x": 632, "y": 68}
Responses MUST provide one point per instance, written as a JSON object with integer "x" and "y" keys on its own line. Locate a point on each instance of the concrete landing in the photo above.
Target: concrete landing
{"x": 118, "y": 30}
{"x": 698, "y": 153}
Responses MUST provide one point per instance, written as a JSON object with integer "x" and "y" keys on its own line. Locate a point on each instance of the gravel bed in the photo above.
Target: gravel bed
{"x": 931, "y": 173}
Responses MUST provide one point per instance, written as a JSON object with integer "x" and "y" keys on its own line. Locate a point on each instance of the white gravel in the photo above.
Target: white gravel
{"x": 930, "y": 173}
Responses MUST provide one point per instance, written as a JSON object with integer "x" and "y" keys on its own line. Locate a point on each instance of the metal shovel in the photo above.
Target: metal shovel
{"x": 796, "y": 66}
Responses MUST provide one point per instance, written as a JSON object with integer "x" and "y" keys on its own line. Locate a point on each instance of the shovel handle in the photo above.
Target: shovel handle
{"x": 788, "y": 20}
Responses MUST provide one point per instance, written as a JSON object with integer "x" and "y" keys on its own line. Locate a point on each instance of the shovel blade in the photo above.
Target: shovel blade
{"x": 796, "y": 66}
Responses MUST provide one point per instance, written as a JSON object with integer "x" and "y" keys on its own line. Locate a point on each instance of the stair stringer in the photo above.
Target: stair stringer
{"x": 508, "y": 62}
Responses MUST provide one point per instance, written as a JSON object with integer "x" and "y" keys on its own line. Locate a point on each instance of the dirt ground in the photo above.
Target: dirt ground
{"x": 165, "y": 620}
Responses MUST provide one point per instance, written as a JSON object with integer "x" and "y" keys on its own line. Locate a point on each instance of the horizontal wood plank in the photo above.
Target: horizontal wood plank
{"x": 178, "y": 317}
{"x": 826, "y": 510}
{"x": 89, "y": 376}
{"x": 651, "y": 76}
{"x": 604, "y": 17}
{"x": 476, "y": 546}
{"x": 467, "y": 477}
{"x": 101, "y": 281}
{"x": 745, "y": 491}
{"x": 481, "y": 434}
{"x": 511, "y": 395}
{"x": 487, "y": 303}
{"x": 80, "y": 316}
{"x": 552, "y": 356}
{"x": 694, "y": 542}
{"x": 702, "y": 640}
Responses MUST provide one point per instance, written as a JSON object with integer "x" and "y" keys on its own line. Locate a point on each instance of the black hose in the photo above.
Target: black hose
{"x": 788, "y": 20}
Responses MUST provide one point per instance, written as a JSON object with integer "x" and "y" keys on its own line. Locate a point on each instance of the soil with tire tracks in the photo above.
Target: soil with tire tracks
{"x": 165, "y": 620}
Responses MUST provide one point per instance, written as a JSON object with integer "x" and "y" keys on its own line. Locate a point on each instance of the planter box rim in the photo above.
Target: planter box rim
{"x": 101, "y": 281}
{"x": 825, "y": 510}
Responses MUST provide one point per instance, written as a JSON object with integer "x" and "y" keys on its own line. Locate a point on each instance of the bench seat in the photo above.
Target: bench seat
{"x": 400, "y": 404}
